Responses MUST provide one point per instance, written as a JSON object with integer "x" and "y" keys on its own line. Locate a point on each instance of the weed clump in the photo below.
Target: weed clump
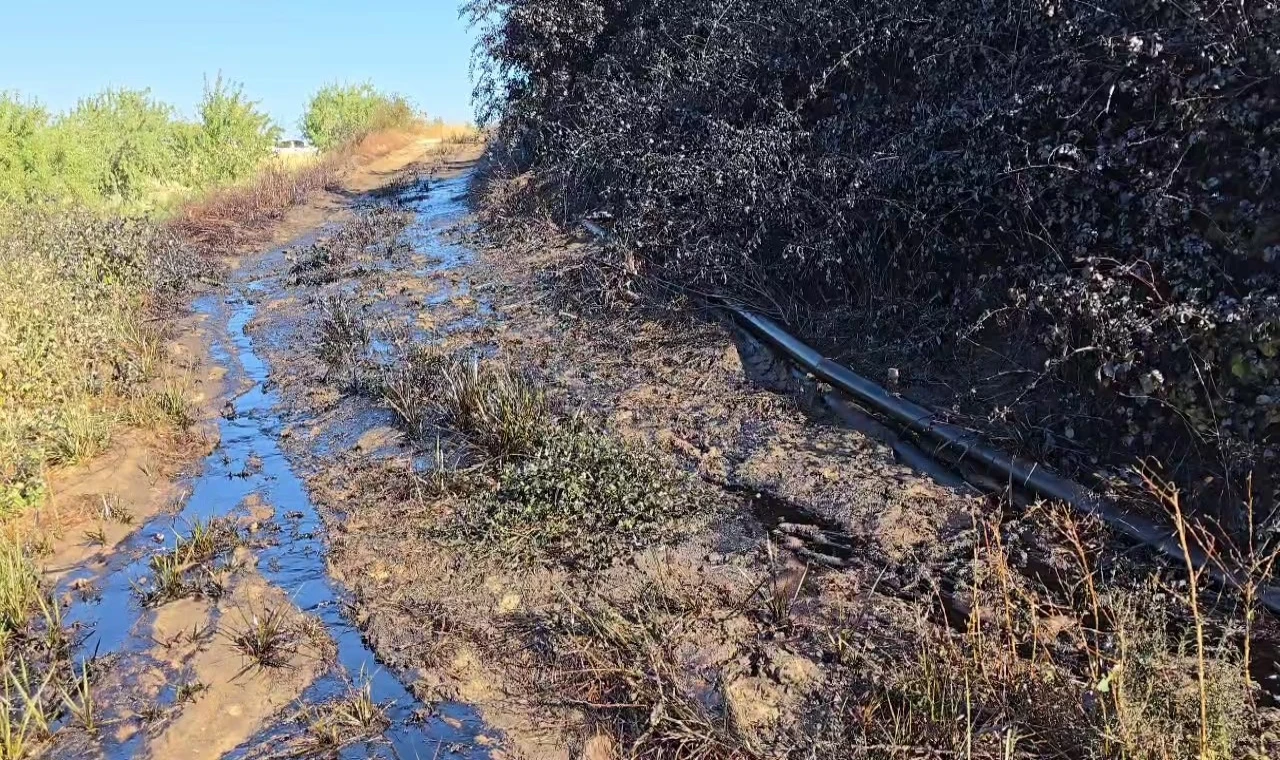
{"x": 41, "y": 687}
{"x": 19, "y": 586}
{"x": 563, "y": 488}
{"x": 353, "y": 717}
{"x": 502, "y": 412}
{"x": 344, "y": 342}
{"x": 1089, "y": 664}
{"x": 498, "y": 411}
{"x": 619, "y": 665}
{"x": 266, "y": 639}
{"x": 191, "y": 567}
{"x": 580, "y": 496}
{"x": 372, "y": 232}
{"x": 408, "y": 388}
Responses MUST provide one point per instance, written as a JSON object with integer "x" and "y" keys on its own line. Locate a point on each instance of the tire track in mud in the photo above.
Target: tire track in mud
{"x": 249, "y": 463}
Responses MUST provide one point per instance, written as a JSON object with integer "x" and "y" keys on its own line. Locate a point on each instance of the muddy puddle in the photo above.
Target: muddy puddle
{"x": 249, "y": 481}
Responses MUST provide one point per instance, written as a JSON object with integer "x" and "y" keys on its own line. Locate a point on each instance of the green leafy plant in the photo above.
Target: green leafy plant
{"x": 233, "y": 136}
{"x": 125, "y": 150}
{"x": 340, "y": 113}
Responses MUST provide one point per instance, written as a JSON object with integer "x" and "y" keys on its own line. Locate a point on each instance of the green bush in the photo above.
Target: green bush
{"x": 24, "y": 153}
{"x": 233, "y": 136}
{"x": 125, "y": 150}
{"x": 119, "y": 144}
{"x": 339, "y": 113}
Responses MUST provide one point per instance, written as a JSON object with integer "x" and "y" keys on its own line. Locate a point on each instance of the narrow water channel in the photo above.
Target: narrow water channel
{"x": 249, "y": 461}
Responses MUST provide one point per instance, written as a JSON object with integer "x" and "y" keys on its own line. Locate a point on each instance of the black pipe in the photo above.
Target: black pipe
{"x": 1030, "y": 475}
{"x": 964, "y": 444}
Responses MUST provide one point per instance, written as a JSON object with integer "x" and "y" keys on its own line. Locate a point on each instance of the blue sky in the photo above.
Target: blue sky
{"x": 281, "y": 50}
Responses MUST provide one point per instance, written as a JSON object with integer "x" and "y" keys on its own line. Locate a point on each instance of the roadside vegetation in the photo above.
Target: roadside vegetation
{"x": 44, "y": 689}
{"x": 78, "y": 354}
{"x": 125, "y": 151}
{"x": 1063, "y": 213}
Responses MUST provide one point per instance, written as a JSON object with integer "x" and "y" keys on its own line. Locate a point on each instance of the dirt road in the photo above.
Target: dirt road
{"x": 203, "y": 601}
{"x": 454, "y": 503}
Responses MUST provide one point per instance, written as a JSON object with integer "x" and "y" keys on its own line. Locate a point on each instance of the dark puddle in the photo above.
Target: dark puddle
{"x": 249, "y": 461}
{"x": 438, "y": 207}
{"x": 444, "y": 207}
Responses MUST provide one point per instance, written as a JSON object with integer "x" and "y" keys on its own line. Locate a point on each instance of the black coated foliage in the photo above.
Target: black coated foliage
{"x": 1098, "y": 178}
{"x": 579, "y": 495}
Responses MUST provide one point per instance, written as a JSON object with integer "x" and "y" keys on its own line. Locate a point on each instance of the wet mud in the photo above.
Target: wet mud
{"x": 177, "y": 684}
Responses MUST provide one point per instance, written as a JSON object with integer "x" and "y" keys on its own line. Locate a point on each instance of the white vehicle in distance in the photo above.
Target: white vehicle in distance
{"x": 290, "y": 148}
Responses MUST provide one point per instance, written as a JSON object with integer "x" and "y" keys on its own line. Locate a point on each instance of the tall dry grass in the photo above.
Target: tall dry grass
{"x": 229, "y": 219}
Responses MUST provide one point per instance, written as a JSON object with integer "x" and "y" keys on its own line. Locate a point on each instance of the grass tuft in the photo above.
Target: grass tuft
{"x": 78, "y": 700}
{"x": 344, "y": 342}
{"x": 353, "y": 717}
{"x": 40, "y": 686}
{"x": 409, "y": 389}
{"x": 188, "y": 569}
{"x": 501, "y": 412}
{"x": 266, "y": 639}
{"x": 20, "y": 590}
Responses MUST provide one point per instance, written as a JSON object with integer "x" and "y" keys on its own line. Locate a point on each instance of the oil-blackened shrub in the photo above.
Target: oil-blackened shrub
{"x": 581, "y": 496}
{"x": 1098, "y": 180}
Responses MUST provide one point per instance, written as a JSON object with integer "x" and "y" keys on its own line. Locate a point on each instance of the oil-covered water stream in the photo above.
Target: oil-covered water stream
{"x": 250, "y": 462}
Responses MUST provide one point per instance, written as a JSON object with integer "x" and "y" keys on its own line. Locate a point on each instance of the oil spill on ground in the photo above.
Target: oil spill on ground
{"x": 249, "y": 461}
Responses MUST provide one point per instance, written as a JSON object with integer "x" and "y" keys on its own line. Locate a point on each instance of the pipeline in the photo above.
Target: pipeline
{"x": 963, "y": 444}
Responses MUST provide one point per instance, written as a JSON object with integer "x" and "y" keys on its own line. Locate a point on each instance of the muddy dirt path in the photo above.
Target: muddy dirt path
{"x": 815, "y": 566}
{"x": 205, "y": 609}
{"x": 320, "y": 587}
